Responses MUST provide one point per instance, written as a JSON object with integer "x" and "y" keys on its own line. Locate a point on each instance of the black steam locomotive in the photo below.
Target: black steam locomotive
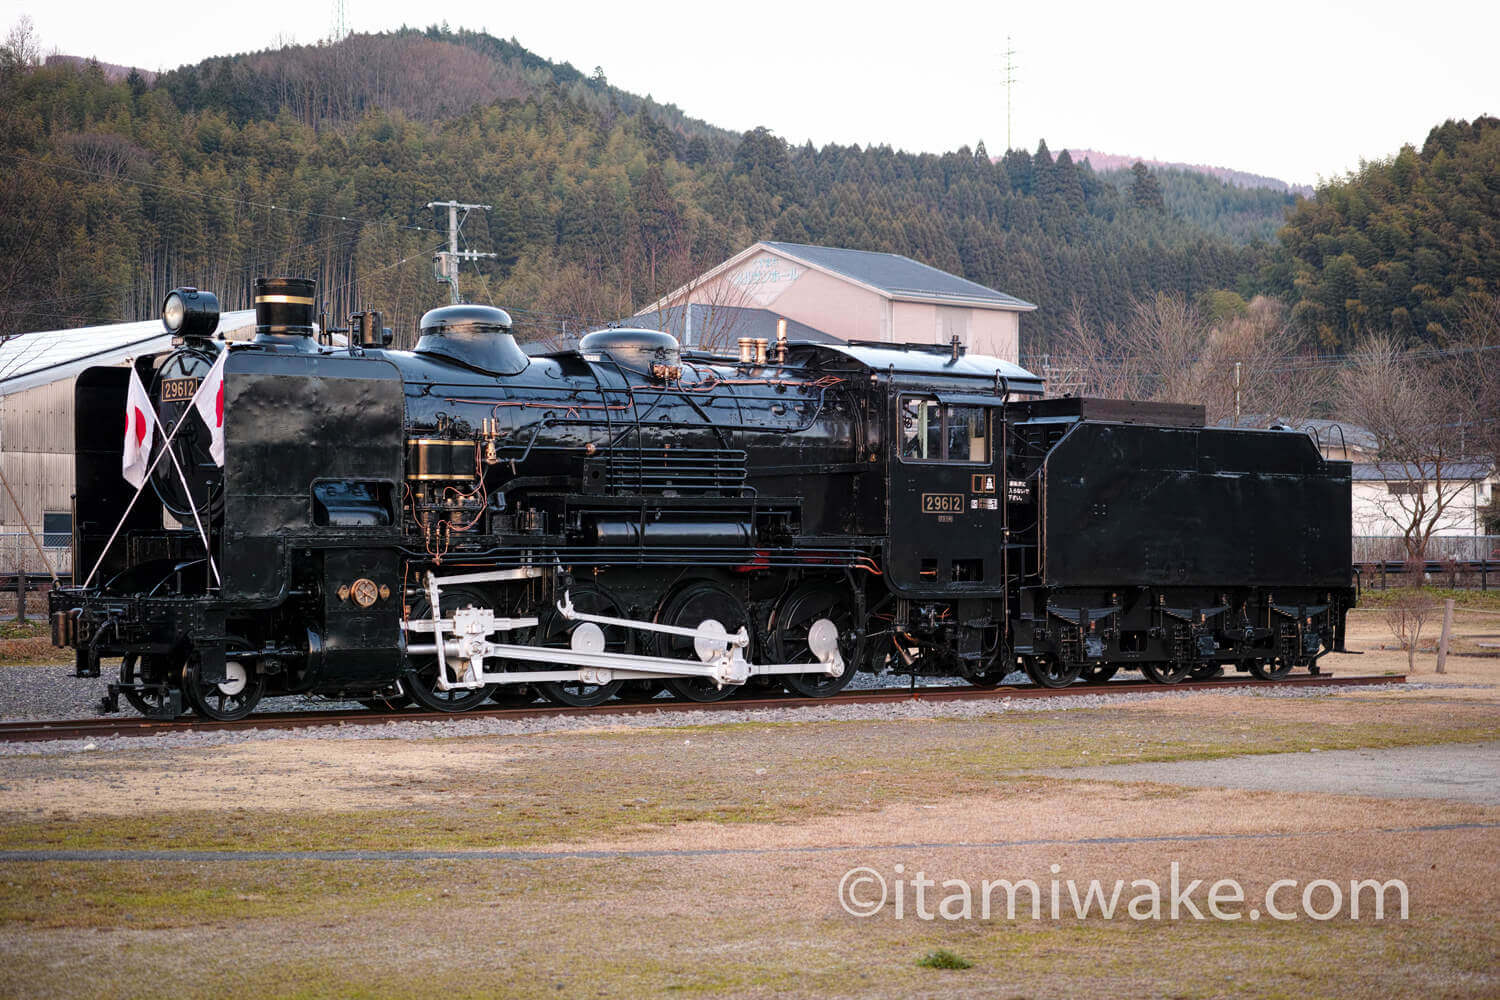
{"x": 464, "y": 521}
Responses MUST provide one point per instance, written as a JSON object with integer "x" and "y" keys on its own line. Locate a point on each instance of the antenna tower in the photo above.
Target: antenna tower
{"x": 1010, "y": 83}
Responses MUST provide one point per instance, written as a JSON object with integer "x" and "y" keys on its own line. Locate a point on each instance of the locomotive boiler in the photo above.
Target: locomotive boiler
{"x": 467, "y": 521}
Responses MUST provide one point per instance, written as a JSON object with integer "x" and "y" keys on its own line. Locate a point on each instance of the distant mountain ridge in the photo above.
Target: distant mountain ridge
{"x": 1239, "y": 178}
{"x": 113, "y": 72}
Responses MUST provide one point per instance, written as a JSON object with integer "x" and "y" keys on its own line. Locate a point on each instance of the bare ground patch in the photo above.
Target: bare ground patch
{"x": 759, "y": 925}
{"x": 748, "y": 924}
{"x": 488, "y": 791}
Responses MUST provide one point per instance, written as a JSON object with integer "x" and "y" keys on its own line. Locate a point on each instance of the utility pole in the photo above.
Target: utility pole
{"x": 445, "y": 262}
{"x": 1236, "y": 394}
{"x": 1010, "y": 82}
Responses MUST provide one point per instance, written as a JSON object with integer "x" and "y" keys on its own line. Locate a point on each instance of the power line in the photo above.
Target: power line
{"x": 228, "y": 199}
{"x": 384, "y": 267}
{"x": 333, "y": 240}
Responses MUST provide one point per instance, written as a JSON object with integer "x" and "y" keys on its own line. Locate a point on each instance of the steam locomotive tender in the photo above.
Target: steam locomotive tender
{"x": 464, "y": 521}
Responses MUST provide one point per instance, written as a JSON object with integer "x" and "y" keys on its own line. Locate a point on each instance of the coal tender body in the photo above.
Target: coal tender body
{"x": 465, "y": 522}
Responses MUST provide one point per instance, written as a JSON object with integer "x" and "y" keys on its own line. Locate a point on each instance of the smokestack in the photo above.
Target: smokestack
{"x": 284, "y": 309}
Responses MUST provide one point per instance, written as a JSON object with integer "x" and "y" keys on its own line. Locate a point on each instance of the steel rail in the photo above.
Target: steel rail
{"x": 69, "y": 729}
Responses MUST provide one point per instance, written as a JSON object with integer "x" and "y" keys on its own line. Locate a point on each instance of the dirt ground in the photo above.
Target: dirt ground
{"x": 708, "y": 860}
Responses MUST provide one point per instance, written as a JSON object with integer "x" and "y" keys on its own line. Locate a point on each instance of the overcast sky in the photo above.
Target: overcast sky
{"x": 1297, "y": 89}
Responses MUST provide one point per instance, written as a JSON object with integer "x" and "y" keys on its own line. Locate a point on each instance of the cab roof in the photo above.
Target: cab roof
{"x": 931, "y": 361}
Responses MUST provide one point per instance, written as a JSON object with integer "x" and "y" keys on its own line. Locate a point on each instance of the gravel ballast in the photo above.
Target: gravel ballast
{"x": 665, "y": 716}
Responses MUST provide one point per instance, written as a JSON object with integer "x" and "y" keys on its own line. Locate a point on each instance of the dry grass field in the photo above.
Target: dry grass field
{"x": 707, "y": 860}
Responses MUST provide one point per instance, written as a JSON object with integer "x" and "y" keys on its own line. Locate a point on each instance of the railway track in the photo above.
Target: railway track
{"x": 30, "y": 731}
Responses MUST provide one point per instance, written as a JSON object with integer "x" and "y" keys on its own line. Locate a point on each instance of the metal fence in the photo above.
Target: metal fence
{"x": 18, "y": 554}
{"x": 1441, "y": 548}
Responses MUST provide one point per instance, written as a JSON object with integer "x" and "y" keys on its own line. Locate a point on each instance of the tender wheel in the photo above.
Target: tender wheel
{"x": 1269, "y": 670}
{"x": 420, "y": 680}
{"x": 1099, "y": 673}
{"x": 1167, "y": 673}
{"x": 691, "y": 606}
{"x": 1206, "y": 671}
{"x": 153, "y": 702}
{"x": 1049, "y": 671}
{"x": 232, "y": 698}
{"x": 795, "y": 620}
{"x": 557, "y": 632}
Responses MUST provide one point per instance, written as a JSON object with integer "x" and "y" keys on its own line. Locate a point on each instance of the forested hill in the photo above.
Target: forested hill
{"x": 319, "y": 160}
{"x": 1105, "y": 162}
{"x": 1405, "y": 246}
{"x": 1236, "y": 212}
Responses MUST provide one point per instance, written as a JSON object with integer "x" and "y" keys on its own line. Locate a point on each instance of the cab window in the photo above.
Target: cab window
{"x": 936, "y": 432}
{"x": 921, "y": 429}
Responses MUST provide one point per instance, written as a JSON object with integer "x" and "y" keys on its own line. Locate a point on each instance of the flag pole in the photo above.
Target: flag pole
{"x": 166, "y": 443}
{"x": 188, "y": 492}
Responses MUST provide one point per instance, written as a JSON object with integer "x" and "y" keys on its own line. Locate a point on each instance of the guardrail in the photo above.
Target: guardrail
{"x": 1456, "y": 574}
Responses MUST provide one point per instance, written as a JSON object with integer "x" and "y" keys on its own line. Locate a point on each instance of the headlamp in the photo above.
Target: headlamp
{"x": 187, "y": 312}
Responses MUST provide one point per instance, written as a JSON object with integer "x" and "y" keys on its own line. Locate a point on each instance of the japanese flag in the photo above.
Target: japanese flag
{"x": 210, "y": 404}
{"x": 140, "y": 432}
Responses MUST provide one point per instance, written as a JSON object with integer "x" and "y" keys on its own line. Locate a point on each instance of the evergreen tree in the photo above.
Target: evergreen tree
{"x": 1145, "y": 192}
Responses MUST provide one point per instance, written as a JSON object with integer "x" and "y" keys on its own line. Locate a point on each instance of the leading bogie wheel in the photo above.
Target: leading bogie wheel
{"x": 230, "y": 699}
{"x": 420, "y": 679}
{"x": 154, "y": 700}
{"x": 557, "y": 632}
{"x": 796, "y": 624}
{"x": 693, "y": 605}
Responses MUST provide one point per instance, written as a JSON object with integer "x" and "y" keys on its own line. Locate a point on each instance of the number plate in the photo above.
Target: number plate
{"x": 175, "y": 390}
{"x": 942, "y": 503}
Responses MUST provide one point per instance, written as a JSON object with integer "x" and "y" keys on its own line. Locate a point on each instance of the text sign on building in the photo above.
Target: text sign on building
{"x": 765, "y": 278}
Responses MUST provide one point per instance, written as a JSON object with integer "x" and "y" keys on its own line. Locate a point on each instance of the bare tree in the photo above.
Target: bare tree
{"x": 1416, "y": 405}
{"x": 718, "y": 321}
{"x": 1476, "y": 371}
{"x": 1406, "y": 615}
{"x": 1170, "y": 351}
{"x": 22, "y": 50}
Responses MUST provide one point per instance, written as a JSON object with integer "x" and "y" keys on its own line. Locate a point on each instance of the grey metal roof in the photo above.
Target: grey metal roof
{"x": 1369, "y": 472}
{"x": 33, "y": 359}
{"x": 729, "y": 322}
{"x": 900, "y": 277}
{"x": 1332, "y": 432}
